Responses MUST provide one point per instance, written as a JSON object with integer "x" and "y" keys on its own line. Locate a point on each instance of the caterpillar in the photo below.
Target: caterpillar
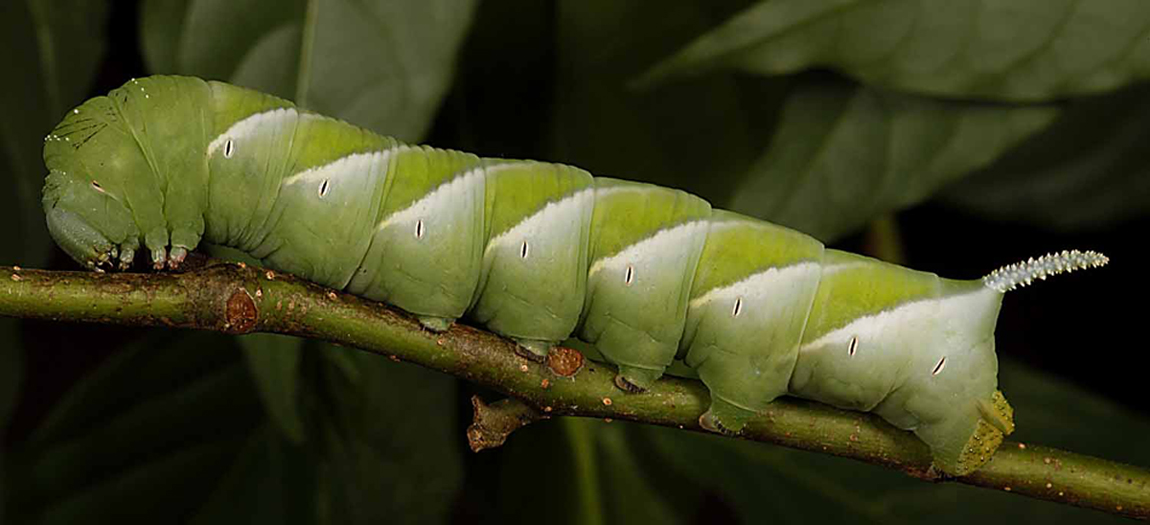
{"x": 537, "y": 252}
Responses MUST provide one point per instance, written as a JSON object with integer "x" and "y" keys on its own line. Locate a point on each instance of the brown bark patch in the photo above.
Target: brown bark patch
{"x": 564, "y": 362}
{"x": 241, "y": 313}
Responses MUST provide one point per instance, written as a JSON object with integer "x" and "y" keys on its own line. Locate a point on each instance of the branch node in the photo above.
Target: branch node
{"x": 493, "y": 423}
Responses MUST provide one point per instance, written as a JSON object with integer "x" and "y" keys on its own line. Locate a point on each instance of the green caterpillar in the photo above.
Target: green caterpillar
{"x": 537, "y": 252}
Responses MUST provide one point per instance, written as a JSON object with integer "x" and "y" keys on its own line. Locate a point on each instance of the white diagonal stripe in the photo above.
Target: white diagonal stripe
{"x": 250, "y": 125}
{"x": 867, "y": 326}
{"x": 354, "y": 163}
{"x": 441, "y": 195}
{"x": 664, "y": 241}
{"x": 758, "y": 281}
{"x": 538, "y": 223}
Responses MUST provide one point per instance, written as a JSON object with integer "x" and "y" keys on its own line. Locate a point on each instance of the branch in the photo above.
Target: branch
{"x": 239, "y": 299}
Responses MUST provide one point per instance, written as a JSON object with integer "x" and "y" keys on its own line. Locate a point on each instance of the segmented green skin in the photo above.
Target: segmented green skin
{"x": 534, "y": 251}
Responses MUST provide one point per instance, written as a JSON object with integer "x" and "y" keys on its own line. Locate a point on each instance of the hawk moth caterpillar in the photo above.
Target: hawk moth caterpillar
{"x": 537, "y": 252}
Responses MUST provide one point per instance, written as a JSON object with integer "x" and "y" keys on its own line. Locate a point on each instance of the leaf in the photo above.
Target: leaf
{"x": 696, "y": 135}
{"x": 1087, "y": 171}
{"x": 1007, "y": 50}
{"x": 844, "y": 154}
{"x": 161, "y": 32}
{"x": 172, "y": 428}
{"x": 592, "y": 474}
{"x": 274, "y": 361}
{"x": 764, "y": 483}
{"x": 767, "y": 484}
{"x": 66, "y": 39}
{"x": 381, "y": 64}
{"x": 390, "y": 442}
{"x": 630, "y": 488}
{"x": 269, "y": 483}
{"x": 148, "y": 433}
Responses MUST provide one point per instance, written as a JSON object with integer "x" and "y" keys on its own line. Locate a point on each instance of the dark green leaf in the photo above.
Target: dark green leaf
{"x": 844, "y": 154}
{"x": 66, "y": 37}
{"x": 1089, "y": 170}
{"x": 381, "y": 64}
{"x": 593, "y": 474}
{"x": 695, "y": 136}
{"x": 769, "y": 484}
{"x": 633, "y": 493}
{"x": 274, "y": 361}
{"x": 161, "y": 32}
{"x": 1017, "y": 50}
{"x": 173, "y": 429}
{"x": 390, "y": 444}
{"x": 270, "y": 482}
{"x": 148, "y": 434}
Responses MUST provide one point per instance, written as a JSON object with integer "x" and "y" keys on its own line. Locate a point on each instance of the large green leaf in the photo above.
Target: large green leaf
{"x": 65, "y": 38}
{"x": 765, "y": 484}
{"x": 591, "y": 474}
{"x": 147, "y": 434}
{"x": 776, "y": 485}
{"x": 696, "y": 135}
{"x": 172, "y": 428}
{"x": 381, "y": 64}
{"x": 269, "y": 482}
{"x": 844, "y": 154}
{"x": 274, "y": 361}
{"x": 390, "y": 442}
{"x": 1088, "y": 171}
{"x": 1017, "y": 50}
{"x": 858, "y": 151}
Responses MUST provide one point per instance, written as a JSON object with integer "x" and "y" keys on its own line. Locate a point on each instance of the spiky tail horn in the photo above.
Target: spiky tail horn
{"x": 1023, "y": 273}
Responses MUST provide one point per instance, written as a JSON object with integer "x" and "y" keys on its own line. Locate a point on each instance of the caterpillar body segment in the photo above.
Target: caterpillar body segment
{"x": 537, "y": 252}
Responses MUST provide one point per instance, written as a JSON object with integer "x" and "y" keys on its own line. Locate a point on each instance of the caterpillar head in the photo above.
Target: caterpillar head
{"x": 91, "y": 158}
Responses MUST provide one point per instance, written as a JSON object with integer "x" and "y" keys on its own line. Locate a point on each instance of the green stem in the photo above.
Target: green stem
{"x": 242, "y": 299}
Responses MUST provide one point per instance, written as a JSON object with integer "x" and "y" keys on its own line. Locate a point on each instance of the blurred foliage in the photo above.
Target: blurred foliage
{"x": 864, "y": 151}
{"x": 382, "y": 65}
{"x": 1025, "y": 50}
{"x": 60, "y": 45}
{"x": 1085, "y": 171}
{"x": 1018, "y": 123}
